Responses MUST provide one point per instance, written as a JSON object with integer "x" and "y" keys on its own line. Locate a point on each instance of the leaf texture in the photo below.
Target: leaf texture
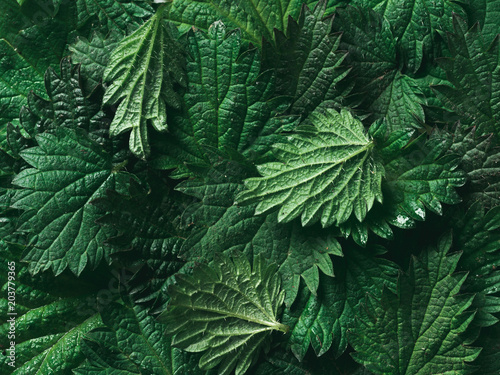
{"x": 143, "y": 71}
{"x": 227, "y": 309}
{"x": 49, "y": 321}
{"x": 418, "y": 329}
{"x": 325, "y": 172}
{"x": 68, "y": 172}
{"x": 474, "y": 73}
{"x": 307, "y": 61}
{"x": 132, "y": 342}
{"x": 228, "y": 104}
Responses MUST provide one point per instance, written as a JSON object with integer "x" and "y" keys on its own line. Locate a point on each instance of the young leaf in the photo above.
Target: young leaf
{"x": 418, "y": 329}
{"x": 143, "y": 71}
{"x": 325, "y": 172}
{"x": 307, "y": 61}
{"x": 474, "y": 72}
{"x": 69, "y": 171}
{"x": 227, "y": 309}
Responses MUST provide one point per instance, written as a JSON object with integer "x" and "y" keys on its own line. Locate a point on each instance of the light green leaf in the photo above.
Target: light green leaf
{"x": 227, "y": 310}
{"x": 143, "y": 71}
{"x": 69, "y": 171}
{"x": 418, "y": 329}
{"x": 326, "y": 171}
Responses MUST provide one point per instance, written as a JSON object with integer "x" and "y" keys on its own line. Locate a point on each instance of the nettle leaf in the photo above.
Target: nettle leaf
{"x": 485, "y": 12}
{"x": 229, "y": 105}
{"x": 382, "y": 89}
{"x": 474, "y": 73}
{"x": 326, "y": 171}
{"x": 421, "y": 177}
{"x": 256, "y": 19}
{"x": 149, "y": 236}
{"x": 322, "y": 320}
{"x": 227, "y": 309}
{"x": 480, "y": 159}
{"x": 489, "y": 358}
{"x": 49, "y": 323}
{"x": 93, "y": 56}
{"x": 417, "y": 330}
{"x": 143, "y": 71}
{"x": 67, "y": 105}
{"x": 122, "y": 15}
{"x": 17, "y": 78}
{"x": 416, "y": 25}
{"x": 477, "y": 235}
{"x": 307, "y": 61}
{"x": 132, "y": 342}
{"x": 69, "y": 171}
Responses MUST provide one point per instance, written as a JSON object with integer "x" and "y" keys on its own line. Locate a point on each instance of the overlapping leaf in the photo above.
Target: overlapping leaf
{"x": 228, "y": 104}
{"x": 143, "y": 71}
{"x": 123, "y": 15}
{"x": 326, "y": 171}
{"x": 474, "y": 73}
{"x": 257, "y": 19}
{"x": 382, "y": 89}
{"x": 322, "y": 320}
{"x": 132, "y": 342}
{"x": 93, "y": 55}
{"x": 227, "y": 310}
{"x": 418, "y": 329}
{"x": 49, "y": 321}
{"x": 68, "y": 171}
{"x": 307, "y": 61}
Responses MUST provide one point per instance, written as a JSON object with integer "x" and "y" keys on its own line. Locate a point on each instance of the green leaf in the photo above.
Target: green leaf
{"x": 480, "y": 159}
{"x": 476, "y": 234}
{"x": 238, "y": 114}
{"x": 474, "y": 73}
{"x": 489, "y": 358}
{"x": 227, "y": 309}
{"x": 382, "y": 89}
{"x": 122, "y": 15}
{"x": 487, "y": 13}
{"x": 326, "y": 171}
{"x": 49, "y": 323}
{"x": 143, "y": 71}
{"x": 417, "y": 330}
{"x": 307, "y": 61}
{"x": 416, "y": 25}
{"x": 93, "y": 56}
{"x": 132, "y": 343}
{"x": 69, "y": 171}
{"x": 17, "y": 78}
{"x": 322, "y": 320}
{"x": 257, "y": 19}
